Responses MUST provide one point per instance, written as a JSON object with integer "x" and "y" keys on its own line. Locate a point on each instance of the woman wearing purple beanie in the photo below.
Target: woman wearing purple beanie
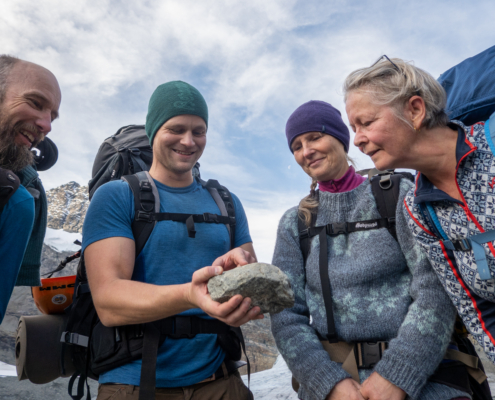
{"x": 370, "y": 319}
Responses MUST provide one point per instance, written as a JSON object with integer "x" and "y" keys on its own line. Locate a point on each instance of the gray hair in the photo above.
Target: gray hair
{"x": 393, "y": 82}
{"x": 6, "y": 64}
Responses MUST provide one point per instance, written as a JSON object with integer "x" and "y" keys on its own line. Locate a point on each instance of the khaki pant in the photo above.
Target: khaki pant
{"x": 230, "y": 387}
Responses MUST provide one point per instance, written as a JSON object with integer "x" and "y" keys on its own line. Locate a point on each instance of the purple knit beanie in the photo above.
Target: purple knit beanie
{"x": 317, "y": 116}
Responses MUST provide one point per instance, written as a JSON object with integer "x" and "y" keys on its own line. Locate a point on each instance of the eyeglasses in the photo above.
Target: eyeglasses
{"x": 391, "y": 62}
{"x": 416, "y": 91}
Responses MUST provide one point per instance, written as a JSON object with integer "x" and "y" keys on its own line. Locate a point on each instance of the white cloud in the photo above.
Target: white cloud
{"x": 255, "y": 62}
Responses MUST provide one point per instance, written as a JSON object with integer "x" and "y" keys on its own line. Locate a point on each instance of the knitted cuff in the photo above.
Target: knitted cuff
{"x": 29, "y": 275}
{"x": 409, "y": 378}
{"x": 322, "y": 380}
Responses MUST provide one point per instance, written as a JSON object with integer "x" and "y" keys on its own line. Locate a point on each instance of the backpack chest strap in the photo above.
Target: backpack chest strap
{"x": 344, "y": 228}
{"x": 473, "y": 243}
{"x": 188, "y": 219}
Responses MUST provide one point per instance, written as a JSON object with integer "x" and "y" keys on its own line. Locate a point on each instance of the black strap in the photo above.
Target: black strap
{"x": 144, "y": 204}
{"x": 304, "y": 239}
{"x": 239, "y": 334}
{"x": 147, "y": 382}
{"x": 386, "y": 188}
{"x": 325, "y": 287}
{"x": 9, "y": 183}
{"x": 344, "y": 228}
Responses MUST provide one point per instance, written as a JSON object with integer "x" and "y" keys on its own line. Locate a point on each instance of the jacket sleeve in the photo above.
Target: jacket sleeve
{"x": 16, "y": 223}
{"x": 296, "y": 339}
{"x": 425, "y": 333}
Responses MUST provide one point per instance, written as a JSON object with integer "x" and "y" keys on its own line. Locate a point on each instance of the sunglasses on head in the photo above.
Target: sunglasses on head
{"x": 395, "y": 67}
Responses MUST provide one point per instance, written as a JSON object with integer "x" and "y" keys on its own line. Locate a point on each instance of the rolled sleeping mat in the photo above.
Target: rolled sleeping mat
{"x": 38, "y": 350}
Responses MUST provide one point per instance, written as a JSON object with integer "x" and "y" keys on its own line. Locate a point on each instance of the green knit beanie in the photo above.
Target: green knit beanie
{"x": 172, "y": 99}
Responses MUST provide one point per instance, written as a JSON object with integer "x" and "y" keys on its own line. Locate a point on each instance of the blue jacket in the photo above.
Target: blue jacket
{"x": 457, "y": 270}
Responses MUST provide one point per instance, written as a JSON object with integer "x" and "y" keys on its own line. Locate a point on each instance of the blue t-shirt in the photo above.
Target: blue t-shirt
{"x": 16, "y": 223}
{"x": 170, "y": 257}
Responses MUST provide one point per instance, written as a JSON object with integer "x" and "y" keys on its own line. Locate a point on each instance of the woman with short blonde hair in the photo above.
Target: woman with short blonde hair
{"x": 397, "y": 111}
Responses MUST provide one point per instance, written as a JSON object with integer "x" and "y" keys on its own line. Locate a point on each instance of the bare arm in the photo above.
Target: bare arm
{"x": 121, "y": 301}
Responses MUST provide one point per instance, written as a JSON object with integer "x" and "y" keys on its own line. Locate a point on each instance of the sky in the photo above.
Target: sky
{"x": 254, "y": 62}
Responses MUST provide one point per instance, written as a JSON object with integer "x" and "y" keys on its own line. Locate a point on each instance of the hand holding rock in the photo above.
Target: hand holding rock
{"x": 266, "y": 285}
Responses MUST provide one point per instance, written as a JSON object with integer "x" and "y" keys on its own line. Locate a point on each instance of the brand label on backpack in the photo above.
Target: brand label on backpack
{"x": 370, "y": 225}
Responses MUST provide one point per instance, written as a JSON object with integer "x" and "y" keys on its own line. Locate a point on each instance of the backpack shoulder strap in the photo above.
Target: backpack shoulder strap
{"x": 304, "y": 237}
{"x": 146, "y": 204}
{"x": 225, "y": 203}
{"x": 490, "y": 132}
{"x": 9, "y": 183}
{"x": 386, "y": 188}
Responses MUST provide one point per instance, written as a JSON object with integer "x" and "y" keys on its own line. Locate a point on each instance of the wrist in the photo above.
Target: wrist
{"x": 187, "y": 297}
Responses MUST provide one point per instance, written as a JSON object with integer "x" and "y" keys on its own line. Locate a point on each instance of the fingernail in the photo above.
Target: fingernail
{"x": 218, "y": 270}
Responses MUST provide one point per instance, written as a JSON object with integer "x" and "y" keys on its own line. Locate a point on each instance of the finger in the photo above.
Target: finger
{"x": 239, "y": 318}
{"x": 203, "y": 274}
{"x": 219, "y": 262}
{"x": 223, "y": 310}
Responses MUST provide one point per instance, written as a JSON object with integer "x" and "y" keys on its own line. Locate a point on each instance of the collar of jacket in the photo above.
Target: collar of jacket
{"x": 425, "y": 190}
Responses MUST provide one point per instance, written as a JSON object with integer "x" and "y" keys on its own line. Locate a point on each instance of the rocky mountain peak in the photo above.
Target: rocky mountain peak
{"x": 67, "y": 206}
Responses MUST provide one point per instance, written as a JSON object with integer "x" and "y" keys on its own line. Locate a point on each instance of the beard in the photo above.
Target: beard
{"x": 13, "y": 156}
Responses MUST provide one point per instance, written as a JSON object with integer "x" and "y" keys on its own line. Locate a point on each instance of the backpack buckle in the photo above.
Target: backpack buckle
{"x": 183, "y": 328}
{"x": 144, "y": 216}
{"x": 210, "y": 217}
{"x": 337, "y": 228}
{"x": 462, "y": 245}
{"x": 145, "y": 186}
{"x": 369, "y": 353}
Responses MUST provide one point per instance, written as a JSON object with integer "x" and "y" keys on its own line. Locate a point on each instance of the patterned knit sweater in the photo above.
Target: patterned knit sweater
{"x": 381, "y": 289}
{"x": 457, "y": 270}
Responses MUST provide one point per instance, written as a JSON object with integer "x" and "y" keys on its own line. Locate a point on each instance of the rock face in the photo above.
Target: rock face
{"x": 67, "y": 206}
{"x": 266, "y": 285}
{"x": 260, "y": 345}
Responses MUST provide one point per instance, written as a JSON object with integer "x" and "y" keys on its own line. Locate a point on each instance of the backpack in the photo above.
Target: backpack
{"x": 126, "y": 152}
{"x": 385, "y": 186}
{"x": 9, "y": 183}
{"x": 470, "y": 88}
{"x": 95, "y": 348}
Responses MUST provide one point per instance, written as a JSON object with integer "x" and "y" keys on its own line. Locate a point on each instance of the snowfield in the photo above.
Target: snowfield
{"x": 60, "y": 240}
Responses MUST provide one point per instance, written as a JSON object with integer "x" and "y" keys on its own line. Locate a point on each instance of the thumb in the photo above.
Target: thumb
{"x": 204, "y": 274}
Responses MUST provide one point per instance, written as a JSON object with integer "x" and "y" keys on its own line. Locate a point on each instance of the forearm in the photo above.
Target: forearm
{"x": 125, "y": 302}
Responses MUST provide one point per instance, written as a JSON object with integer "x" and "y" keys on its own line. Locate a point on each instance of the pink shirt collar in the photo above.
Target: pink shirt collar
{"x": 349, "y": 181}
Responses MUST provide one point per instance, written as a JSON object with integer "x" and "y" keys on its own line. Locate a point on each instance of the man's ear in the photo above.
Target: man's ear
{"x": 416, "y": 110}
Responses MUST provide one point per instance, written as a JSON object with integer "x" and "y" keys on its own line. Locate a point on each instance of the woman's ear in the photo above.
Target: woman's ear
{"x": 416, "y": 111}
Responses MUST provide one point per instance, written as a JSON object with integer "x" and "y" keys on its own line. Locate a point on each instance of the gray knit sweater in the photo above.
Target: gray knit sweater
{"x": 381, "y": 290}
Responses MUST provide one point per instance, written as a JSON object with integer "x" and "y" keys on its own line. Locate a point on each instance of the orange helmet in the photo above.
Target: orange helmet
{"x": 55, "y": 294}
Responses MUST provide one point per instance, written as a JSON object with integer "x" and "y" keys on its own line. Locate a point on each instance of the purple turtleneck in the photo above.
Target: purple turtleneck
{"x": 349, "y": 181}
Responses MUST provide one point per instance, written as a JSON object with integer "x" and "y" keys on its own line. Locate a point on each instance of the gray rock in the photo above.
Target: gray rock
{"x": 266, "y": 285}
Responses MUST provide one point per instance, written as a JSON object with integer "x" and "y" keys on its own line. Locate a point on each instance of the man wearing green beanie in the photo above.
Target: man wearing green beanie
{"x": 157, "y": 284}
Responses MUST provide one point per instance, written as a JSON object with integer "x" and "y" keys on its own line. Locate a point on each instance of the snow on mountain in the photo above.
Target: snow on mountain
{"x": 60, "y": 240}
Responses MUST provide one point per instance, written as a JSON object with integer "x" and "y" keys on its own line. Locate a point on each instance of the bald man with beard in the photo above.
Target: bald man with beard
{"x": 29, "y": 102}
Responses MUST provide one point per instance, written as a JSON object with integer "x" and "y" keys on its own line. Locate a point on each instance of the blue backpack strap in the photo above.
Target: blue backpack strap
{"x": 490, "y": 132}
{"x": 472, "y": 243}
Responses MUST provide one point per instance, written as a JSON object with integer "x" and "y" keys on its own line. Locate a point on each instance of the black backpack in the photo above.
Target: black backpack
{"x": 126, "y": 152}
{"x": 9, "y": 183}
{"x": 95, "y": 348}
